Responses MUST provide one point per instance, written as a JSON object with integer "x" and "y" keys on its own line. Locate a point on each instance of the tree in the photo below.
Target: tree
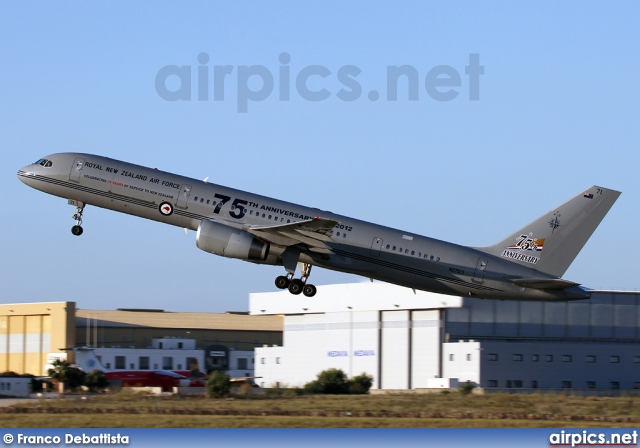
{"x": 96, "y": 381}
{"x": 218, "y": 384}
{"x": 64, "y": 373}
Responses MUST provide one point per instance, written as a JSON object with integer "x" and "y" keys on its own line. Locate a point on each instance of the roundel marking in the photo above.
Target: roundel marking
{"x": 166, "y": 209}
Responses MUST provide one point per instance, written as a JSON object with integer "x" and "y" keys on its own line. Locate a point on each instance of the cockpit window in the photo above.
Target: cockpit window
{"x": 44, "y": 162}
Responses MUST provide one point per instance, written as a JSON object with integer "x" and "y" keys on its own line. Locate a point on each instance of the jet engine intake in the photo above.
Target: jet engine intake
{"x": 229, "y": 242}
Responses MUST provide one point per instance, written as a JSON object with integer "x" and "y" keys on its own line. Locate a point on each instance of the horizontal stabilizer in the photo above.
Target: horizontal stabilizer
{"x": 544, "y": 283}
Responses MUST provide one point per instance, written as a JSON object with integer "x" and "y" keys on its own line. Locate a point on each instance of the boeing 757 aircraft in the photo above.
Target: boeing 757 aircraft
{"x": 526, "y": 265}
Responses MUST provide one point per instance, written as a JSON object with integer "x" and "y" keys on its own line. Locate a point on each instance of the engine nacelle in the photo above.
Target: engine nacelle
{"x": 229, "y": 242}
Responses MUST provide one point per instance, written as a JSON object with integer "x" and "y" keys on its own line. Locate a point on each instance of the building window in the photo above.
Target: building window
{"x": 167, "y": 363}
{"x": 517, "y": 383}
{"x": 636, "y": 385}
{"x": 452, "y": 357}
{"x": 120, "y": 362}
{"x": 277, "y": 360}
{"x": 242, "y": 363}
{"x": 263, "y": 361}
{"x": 132, "y": 366}
{"x": 614, "y": 359}
{"x": 493, "y": 357}
{"x": 615, "y": 385}
{"x": 566, "y": 358}
{"x": 591, "y": 384}
{"x": 108, "y": 366}
{"x": 180, "y": 345}
{"x": 143, "y": 362}
{"x": 566, "y": 384}
{"x": 534, "y": 384}
{"x": 468, "y": 356}
{"x": 508, "y": 384}
{"x": 535, "y": 358}
{"x": 591, "y": 358}
{"x": 492, "y": 383}
{"x": 517, "y": 357}
{"x": 549, "y": 358}
{"x": 636, "y": 359}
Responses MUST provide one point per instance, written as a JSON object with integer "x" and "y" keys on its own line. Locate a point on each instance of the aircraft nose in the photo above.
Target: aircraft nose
{"x": 26, "y": 174}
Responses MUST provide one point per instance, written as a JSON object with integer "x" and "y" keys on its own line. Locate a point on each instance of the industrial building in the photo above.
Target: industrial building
{"x": 33, "y": 334}
{"x": 405, "y": 340}
{"x": 420, "y": 340}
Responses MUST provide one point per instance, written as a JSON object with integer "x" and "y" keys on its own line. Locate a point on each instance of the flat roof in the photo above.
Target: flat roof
{"x": 199, "y": 321}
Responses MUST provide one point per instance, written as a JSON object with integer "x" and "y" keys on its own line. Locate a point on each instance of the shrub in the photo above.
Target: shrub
{"x": 96, "y": 381}
{"x": 334, "y": 381}
{"x": 218, "y": 384}
{"x": 360, "y": 384}
{"x": 466, "y": 388}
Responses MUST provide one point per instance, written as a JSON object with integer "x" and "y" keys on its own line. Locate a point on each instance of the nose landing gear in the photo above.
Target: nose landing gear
{"x": 295, "y": 285}
{"x": 77, "y": 229}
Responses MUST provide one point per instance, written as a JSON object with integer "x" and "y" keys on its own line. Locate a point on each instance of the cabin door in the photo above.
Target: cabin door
{"x": 76, "y": 169}
{"x": 481, "y": 267}
{"x": 183, "y": 197}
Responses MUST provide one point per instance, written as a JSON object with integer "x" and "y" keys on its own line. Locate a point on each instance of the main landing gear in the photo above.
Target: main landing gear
{"x": 77, "y": 229}
{"x": 297, "y": 285}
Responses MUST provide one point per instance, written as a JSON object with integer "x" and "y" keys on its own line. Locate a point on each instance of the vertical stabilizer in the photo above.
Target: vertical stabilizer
{"x": 87, "y": 360}
{"x": 551, "y": 243}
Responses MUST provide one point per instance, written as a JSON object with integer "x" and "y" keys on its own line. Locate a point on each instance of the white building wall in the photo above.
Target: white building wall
{"x": 156, "y": 358}
{"x": 425, "y": 347}
{"x": 317, "y": 342}
{"x": 238, "y": 357}
{"x": 15, "y": 387}
{"x": 395, "y": 350}
{"x": 364, "y": 348}
{"x": 271, "y": 367}
{"x": 461, "y": 360}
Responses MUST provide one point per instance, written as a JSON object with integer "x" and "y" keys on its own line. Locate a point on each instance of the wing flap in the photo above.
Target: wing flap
{"x": 312, "y": 232}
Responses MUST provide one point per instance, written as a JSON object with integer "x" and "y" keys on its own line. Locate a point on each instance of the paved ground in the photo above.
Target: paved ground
{"x": 4, "y": 402}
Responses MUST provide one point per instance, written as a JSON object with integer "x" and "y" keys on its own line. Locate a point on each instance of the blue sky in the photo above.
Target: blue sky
{"x": 558, "y": 111}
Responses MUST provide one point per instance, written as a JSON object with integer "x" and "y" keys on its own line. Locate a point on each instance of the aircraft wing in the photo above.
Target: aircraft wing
{"x": 544, "y": 283}
{"x": 312, "y": 232}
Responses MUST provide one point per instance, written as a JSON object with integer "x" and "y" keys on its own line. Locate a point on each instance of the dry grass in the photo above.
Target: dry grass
{"x": 288, "y": 410}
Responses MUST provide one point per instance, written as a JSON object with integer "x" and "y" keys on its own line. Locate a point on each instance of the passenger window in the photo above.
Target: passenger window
{"x": 195, "y": 199}
{"x": 413, "y": 252}
{"x": 208, "y": 200}
{"x": 201, "y": 199}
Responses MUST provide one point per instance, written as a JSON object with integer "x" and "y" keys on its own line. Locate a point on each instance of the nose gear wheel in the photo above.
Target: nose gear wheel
{"x": 77, "y": 229}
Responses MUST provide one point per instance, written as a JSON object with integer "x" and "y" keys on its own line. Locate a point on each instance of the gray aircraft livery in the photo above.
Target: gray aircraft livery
{"x": 527, "y": 265}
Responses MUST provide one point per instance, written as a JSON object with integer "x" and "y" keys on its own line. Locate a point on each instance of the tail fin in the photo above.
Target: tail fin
{"x": 551, "y": 243}
{"x": 87, "y": 360}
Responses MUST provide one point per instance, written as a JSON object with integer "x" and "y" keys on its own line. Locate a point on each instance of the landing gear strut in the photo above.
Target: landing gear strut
{"x": 295, "y": 285}
{"x": 77, "y": 229}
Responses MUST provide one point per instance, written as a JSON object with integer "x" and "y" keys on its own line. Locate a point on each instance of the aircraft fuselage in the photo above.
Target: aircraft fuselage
{"x": 355, "y": 246}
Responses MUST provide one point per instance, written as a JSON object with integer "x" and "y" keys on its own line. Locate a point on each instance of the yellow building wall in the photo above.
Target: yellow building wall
{"x": 30, "y": 331}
